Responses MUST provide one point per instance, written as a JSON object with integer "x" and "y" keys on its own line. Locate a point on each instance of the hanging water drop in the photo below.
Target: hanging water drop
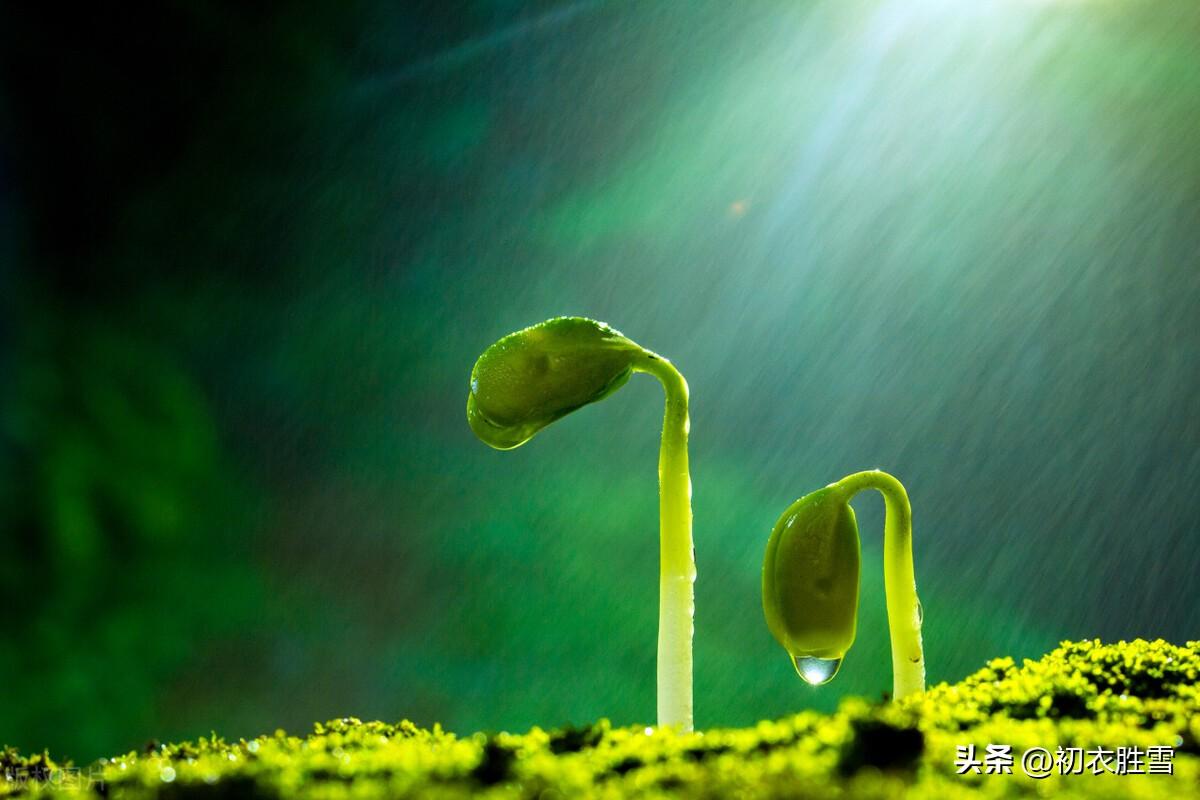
{"x": 816, "y": 671}
{"x": 920, "y": 613}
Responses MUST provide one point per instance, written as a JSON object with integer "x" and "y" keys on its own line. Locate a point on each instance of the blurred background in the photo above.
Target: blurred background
{"x": 248, "y": 257}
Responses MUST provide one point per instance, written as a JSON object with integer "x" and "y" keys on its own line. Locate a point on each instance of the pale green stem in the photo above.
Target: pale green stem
{"x": 677, "y": 563}
{"x": 899, "y": 583}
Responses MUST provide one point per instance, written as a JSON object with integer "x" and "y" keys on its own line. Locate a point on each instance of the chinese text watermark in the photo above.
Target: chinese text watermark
{"x": 64, "y": 778}
{"x": 1040, "y": 762}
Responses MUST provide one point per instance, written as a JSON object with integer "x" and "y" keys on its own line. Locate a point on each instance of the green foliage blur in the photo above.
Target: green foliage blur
{"x": 248, "y": 257}
{"x": 115, "y": 491}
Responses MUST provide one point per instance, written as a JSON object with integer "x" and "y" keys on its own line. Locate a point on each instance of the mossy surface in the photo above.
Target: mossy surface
{"x": 1082, "y": 695}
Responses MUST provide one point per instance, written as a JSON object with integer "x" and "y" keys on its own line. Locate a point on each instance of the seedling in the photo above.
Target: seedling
{"x": 810, "y": 581}
{"x": 532, "y": 377}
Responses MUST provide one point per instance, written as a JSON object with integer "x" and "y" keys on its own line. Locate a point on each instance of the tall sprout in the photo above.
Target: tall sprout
{"x": 530, "y": 378}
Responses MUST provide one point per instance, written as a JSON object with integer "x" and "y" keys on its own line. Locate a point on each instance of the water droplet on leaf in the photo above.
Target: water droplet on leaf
{"x": 816, "y": 671}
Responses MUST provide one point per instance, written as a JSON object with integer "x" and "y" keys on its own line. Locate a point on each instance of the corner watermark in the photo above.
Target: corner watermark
{"x": 64, "y": 778}
{"x": 1040, "y": 762}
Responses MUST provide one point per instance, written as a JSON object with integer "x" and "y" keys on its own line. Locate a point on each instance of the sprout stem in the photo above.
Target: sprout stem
{"x": 899, "y": 583}
{"x": 677, "y": 563}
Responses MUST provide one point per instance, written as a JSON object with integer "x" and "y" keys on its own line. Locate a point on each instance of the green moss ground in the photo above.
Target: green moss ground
{"x": 1083, "y": 694}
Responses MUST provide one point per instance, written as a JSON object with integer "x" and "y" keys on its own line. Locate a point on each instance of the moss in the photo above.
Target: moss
{"x": 1083, "y": 694}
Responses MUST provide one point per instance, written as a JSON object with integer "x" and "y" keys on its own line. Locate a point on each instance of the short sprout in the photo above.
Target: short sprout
{"x": 811, "y": 576}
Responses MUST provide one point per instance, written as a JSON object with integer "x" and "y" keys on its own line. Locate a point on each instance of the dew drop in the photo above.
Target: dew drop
{"x": 816, "y": 671}
{"x": 920, "y": 613}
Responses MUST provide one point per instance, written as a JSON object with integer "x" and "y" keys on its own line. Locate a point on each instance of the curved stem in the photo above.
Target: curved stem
{"x": 899, "y": 583}
{"x": 677, "y": 564}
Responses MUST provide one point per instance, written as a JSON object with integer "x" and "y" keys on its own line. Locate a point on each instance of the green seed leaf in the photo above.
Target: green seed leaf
{"x": 810, "y": 576}
{"x": 532, "y": 377}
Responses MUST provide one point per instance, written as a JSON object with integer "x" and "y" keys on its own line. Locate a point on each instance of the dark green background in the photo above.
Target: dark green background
{"x": 248, "y": 258}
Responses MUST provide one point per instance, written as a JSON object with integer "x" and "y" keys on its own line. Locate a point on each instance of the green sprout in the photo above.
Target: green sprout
{"x": 530, "y": 378}
{"x": 810, "y": 581}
